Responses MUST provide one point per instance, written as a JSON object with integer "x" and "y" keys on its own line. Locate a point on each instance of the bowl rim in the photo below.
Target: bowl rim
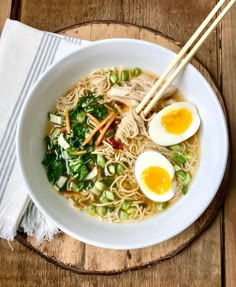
{"x": 34, "y": 87}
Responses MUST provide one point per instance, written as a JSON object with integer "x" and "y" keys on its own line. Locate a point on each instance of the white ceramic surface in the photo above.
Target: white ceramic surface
{"x": 31, "y": 132}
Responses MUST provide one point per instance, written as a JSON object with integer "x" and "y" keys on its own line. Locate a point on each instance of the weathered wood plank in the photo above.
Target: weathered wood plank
{"x": 177, "y": 19}
{"x": 5, "y": 11}
{"x": 229, "y": 90}
{"x": 196, "y": 266}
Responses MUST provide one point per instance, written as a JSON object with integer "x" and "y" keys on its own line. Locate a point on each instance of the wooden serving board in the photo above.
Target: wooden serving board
{"x": 72, "y": 254}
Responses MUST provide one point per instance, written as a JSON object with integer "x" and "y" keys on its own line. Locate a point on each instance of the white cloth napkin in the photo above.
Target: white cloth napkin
{"x": 24, "y": 54}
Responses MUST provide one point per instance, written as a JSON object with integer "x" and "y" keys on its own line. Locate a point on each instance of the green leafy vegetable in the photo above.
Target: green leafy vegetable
{"x": 55, "y": 167}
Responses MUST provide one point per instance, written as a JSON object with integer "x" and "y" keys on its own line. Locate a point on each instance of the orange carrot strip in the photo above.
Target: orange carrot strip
{"x": 93, "y": 123}
{"x": 99, "y": 139}
{"x": 67, "y": 120}
{"x": 95, "y": 120}
{"x": 99, "y": 175}
{"x": 80, "y": 152}
{"x": 109, "y": 108}
{"x": 63, "y": 129}
{"x": 93, "y": 132}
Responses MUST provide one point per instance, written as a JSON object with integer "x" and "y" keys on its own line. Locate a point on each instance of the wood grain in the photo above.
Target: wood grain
{"x": 74, "y": 255}
{"x": 178, "y": 19}
{"x": 23, "y": 268}
{"x": 229, "y": 89}
{"x": 200, "y": 264}
{"x": 5, "y": 11}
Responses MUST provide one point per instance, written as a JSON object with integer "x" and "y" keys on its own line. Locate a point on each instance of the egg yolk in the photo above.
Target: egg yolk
{"x": 177, "y": 121}
{"x": 156, "y": 179}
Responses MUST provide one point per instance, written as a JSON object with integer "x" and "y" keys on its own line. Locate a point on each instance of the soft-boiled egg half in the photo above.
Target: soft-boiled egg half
{"x": 174, "y": 124}
{"x": 155, "y": 176}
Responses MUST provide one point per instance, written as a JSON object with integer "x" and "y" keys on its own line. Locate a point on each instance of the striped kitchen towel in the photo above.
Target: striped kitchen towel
{"x": 25, "y": 53}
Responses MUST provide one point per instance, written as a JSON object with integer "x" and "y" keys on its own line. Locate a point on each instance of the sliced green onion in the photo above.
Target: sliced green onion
{"x": 74, "y": 186}
{"x": 187, "y": 178}
{"x": 109, "y": 195}
{"x": 126, "y": 204}
{"x": 180, "y": 159}
{"x": 123, "y": 215}
{"x": 100, "y": 185}
{"x": 131, "y": 210}
{"x": 162, "y": 205}
{"x": 108, "y": 180}
{"x": 184, "y": 189}
{"x": 113, "y": 77}
{"x": 177, "y": 167}
{"x": 112, "y": 169}
{"x": 188, "y": 155}
{"x": 175, "y": 147}
{"x": 124, "y": 76}
{"x": 96, "y": 191}
{"x": 101, "y": 210}
{"x": 101, "y": 160}
{"x": 56, "y": 187}
{"x": 93, "y": 173}
{"x": 111, "y": 208}
{"x": 103, "y": 199}
{"x": 90, "y": 209}
{"x": 181, "y": 175}
{"x": 120, "y": 169}
{"x": 136, "y": 72}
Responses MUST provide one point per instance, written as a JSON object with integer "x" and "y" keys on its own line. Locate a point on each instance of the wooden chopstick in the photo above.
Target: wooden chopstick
{"x": 189, "y": 56}
{"x": 179, "y": 57}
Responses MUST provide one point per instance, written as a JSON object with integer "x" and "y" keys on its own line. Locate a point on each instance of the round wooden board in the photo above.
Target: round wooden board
{"x": 72, "y": 254}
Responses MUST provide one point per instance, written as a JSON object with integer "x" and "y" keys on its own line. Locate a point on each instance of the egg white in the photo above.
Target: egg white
{"x": 153, "y": 158}
{"x": 162, "y": 137}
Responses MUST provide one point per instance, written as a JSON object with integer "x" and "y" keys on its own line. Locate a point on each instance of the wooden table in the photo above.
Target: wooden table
{"x": 211, "y": 259}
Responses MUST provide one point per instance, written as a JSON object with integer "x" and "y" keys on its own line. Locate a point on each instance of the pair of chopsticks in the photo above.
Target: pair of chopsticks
{"x": 182, "y": 59}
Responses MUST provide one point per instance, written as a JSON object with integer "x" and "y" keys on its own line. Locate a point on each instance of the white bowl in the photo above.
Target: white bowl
{"x": 31, "y": 132}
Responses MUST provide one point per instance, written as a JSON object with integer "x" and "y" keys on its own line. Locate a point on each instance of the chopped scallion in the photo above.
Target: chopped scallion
{"x": 124, "y": 76}
{"x": 101, "y": 160}
{"x": 188, "y": 155}
{"x": 180, "y": 159}
{"x": 100, "y": 185}
{"x": 123, "y": 215}
{"x": 162, "y": 206}
{"x": 181, "y": 175}
{"x": 184, "y": 189}
{"x": 175, "y": 147}
{"x": 120, "y": 169}
{"x": 90, "y": 209}
{"x": 112, "y": 169}
{"x": 109, "y": 195}
{"x": 113, "y": 77}
{"x": 101, "y": 210}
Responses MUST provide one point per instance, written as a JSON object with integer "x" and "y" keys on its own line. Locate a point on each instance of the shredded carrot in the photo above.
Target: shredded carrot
{"x": 109, "y": 108}
{"x": 95, "y": 120}
{"x": 97, "y": 128}
{"x": 92, "y": 123}
{"x": 99, "y": 139}
{"x": 63, "y": 129}
{"x": 99, "y": 175}
{"x": 80, "y": 152}
{"x": 67, "y": 116}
